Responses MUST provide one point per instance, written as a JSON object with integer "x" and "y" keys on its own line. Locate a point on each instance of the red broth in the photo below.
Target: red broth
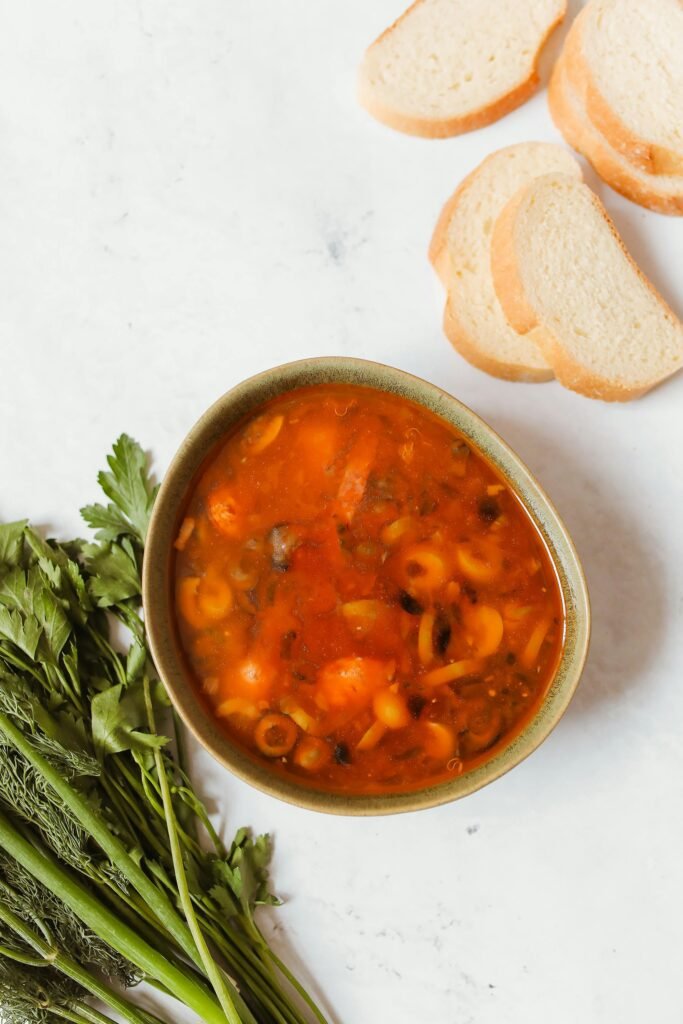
{"x": 361, "y": 599}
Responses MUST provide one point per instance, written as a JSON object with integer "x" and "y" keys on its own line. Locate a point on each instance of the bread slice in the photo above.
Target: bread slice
{"x": 460, "y": 252}
{"x": 624, "y": 59}
{"x": 448, "y": 66}
{"x": 558, "y": 262}
{"x": 660, "y": 192}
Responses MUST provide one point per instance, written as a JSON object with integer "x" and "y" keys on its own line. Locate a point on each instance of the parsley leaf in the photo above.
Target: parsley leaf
{"x": 109, "y": 523}
{"x": 25, "y": 633}
{"x": 32, "y": 615}
{"x": 11, "y": 542}
{"x": 117, "y": 716}
{"x": 130, "y": 490}
{"x": 14, "y": 590}
{"x": 245, "y": 870}
{"x": 62, "y": 572}
{"x": 115, "y": 574}
{"x": 136, "y": 661}
{"x": 53, "y": 622}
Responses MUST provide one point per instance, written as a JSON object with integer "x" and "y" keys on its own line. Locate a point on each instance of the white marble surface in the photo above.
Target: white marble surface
{"x": 188, "y": 194}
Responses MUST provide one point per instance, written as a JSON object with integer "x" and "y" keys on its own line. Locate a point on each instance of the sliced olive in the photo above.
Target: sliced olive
{"x": 416, "y": 704}
{"x": 489, "y": 509}
{"x": 409, "y": 603}
{"x": 442, "y": 633}
{"x": 341, "y": 754}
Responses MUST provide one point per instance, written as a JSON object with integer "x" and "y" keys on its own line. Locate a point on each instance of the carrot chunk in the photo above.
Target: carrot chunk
{"x": 251, "y": 678}
{"x": 352, "y": 681}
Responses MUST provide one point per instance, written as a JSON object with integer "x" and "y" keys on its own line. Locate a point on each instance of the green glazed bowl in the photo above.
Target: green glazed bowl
{"x": 158, "y": 589}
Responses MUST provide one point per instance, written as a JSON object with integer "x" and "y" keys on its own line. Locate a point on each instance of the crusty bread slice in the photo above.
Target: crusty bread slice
{"x": 624, "y": 59}
{"x": 660, "y": 192}
{"x": 448, "y": 66}
{"x": 460, "y": 252}
{"x": 558, "y": 262}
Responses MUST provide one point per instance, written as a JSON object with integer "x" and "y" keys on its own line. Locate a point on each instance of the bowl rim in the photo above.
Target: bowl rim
{"x": 228, "y": 409}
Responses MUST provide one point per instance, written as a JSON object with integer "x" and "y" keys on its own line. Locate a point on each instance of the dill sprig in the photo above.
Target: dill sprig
{"x": 37, "y": 905}
{"x": 31, "y": 993}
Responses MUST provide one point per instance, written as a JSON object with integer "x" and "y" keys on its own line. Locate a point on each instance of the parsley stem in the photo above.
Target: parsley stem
{"x": 262, "y": 985}
{"x": 93, "y": 1016}
{"x": 189, "y": 818}
{"x": 151, "y": 780}
{"x": 74, "y": 1016}
{"x": 106, "y": 648}
{"x": 22, "y": 958}
{"x": 210, "y": 966}
{"x": 23, "y": 663}
{"x": 129, "y": 810}
{"x": 296, "y": 985}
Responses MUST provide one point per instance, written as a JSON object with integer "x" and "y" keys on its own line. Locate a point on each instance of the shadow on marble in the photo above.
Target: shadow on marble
{"x": 552, "y": 49}
{"x": 279, "y": 938}
{"x": 623, "y": 571}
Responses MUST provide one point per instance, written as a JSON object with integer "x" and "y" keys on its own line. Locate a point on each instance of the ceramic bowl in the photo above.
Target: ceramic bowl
{"x": 157, "y": 581}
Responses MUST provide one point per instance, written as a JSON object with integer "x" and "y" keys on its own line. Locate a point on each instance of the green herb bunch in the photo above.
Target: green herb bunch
{"x": 110, "y": 869}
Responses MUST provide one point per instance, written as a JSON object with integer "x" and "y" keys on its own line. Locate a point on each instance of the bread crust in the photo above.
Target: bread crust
{"x": 517, "y": 308}
{"x": 646, "y": 156}
{"x": 603, "y": 158}
{"x": 507, "y": 281}
{"x": 453, "y": 327}
{"x": 438, "y": 245}
{"x": 461, "y": 341}
{"x": 442, "y": 128}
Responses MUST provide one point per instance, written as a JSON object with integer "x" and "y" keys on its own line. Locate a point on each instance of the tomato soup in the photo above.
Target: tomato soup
{"x": 363, "y": 602}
